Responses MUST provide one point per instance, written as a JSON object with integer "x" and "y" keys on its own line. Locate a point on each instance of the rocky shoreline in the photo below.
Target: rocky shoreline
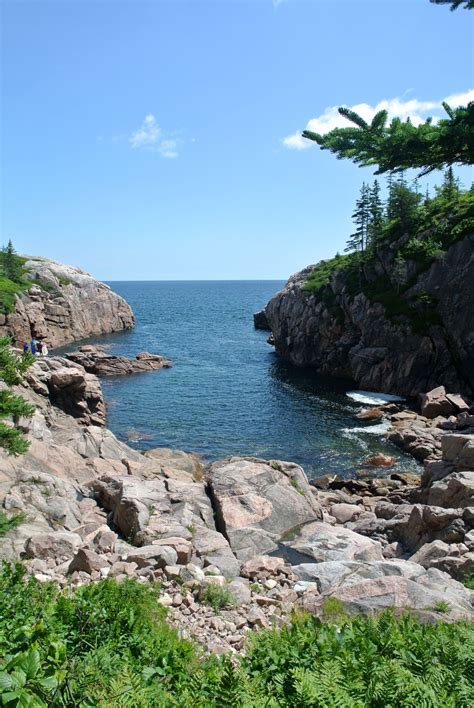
{"x": 97, "y": 361}
{"x": 256, "y": 529}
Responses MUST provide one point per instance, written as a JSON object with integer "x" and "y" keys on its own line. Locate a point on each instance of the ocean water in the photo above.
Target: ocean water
{"x": 228, "y": 393}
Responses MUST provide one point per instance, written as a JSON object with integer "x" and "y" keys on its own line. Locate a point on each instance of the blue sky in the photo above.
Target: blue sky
{"x": 159, "y": 140}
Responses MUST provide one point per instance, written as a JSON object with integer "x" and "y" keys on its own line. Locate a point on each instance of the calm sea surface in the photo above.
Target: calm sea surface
{"x": 227, "y": 392}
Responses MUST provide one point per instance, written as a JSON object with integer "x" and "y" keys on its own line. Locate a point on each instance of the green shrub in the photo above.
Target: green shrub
{"x": 218, "y": 597}
{"x": 8, "y": 290}
{"x": 366, "y": 661}
{"x": 296, "y": 486}
{"x": 442, "y": 606}
{"x": 108, "y": 644}
{"x": 322, "y": 274}
{"x": 333, "y": 611}
{"x": 7, "y": 523}
{"x": 422, "y": 250}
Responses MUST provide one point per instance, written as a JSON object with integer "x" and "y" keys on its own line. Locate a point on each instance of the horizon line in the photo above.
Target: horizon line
{"x": 196, "y": 280}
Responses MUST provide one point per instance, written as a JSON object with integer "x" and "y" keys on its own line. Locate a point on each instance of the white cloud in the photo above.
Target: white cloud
{"x": 295, "y": 141}
{"x": 414, "y": 109}
{"x": 460, "y": 99}
{"x": 149, "y": 136}
{"x": 168, "y": 148}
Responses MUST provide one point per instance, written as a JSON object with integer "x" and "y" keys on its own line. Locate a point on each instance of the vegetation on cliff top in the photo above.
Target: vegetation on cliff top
{"x": 403, "y": 235}
{"x": 12, "y": 280}
{"x": 107, "y": 644}
{"x": 395, "y": 242}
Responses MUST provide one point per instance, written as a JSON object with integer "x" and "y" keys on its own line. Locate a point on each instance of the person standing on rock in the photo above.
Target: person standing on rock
{"x": 33, "y": 346}
{"x": 45, "y": 350}
{"x": 26, "y": 347}
{"x": 39, "y": 348}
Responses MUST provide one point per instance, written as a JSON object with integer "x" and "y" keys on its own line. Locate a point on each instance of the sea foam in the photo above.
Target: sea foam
{"x": 369, "y": 398}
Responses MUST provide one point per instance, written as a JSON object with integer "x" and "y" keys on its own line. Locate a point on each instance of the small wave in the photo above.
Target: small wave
{"x": 379, "y": 429}
{"x": 355, "y": 440}
{"x": 369, "y": 398}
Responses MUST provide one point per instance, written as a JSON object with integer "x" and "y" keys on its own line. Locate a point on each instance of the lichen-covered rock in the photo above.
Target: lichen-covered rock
{"x": 431, "y": 594}
{"x": 324, "y": 542}
{"x": 258, "y": 501}
{"x": 71, "y": 305}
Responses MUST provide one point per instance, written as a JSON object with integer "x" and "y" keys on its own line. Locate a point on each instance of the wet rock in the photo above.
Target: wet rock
{"x": 370, "y": 414}
{"x": 380, "y": 460}
{"x": 260, "y": 320}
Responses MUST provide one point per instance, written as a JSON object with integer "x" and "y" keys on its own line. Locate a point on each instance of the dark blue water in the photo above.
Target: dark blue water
{"x": 227, "y": 392}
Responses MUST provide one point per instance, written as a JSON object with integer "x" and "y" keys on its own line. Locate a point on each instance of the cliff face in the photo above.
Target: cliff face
{"x": 354, "y": 336}
{"x": 64, "y": 304}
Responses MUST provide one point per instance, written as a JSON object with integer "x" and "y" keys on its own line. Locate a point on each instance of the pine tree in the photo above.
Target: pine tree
{"x": 403, "y": 208}
{"x": 398, "y": 271}
{"x": 450, "y": 188}
{"x": 358, "y": 240}
{"x": 11, "y": 265}
{"x": 376, "y": 216}
{"x": 12, "y": 406}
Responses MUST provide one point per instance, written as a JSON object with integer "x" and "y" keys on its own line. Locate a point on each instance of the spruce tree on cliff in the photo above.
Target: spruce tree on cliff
{"x": 361, "y": 217}
{"x": 12, "y": 406}
{"x": 11, "y": 263}
{"x": 376, "y": 216}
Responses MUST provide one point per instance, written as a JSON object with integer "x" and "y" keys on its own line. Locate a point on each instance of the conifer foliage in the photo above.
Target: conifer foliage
{"x": 12, "y": 406}
{"x": 401, "y": 145}
{"x": 406, "y": 211}
{"x": 467, "y": 4}
{"x": 11, "y": 264}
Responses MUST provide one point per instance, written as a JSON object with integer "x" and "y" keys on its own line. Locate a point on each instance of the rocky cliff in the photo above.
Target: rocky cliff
{"x": 64, "y": 304}
{"x": 403, "y": 341}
